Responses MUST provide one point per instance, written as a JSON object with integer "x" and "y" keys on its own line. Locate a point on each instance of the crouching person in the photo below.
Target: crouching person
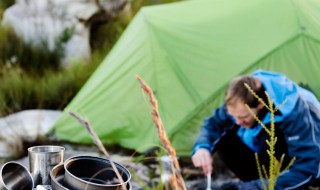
{"x": 235, "y": 135}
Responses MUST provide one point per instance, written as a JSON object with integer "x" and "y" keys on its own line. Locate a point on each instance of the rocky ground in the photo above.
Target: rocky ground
{"x": 145, "y": 169}
{"x": 29, "y": 128}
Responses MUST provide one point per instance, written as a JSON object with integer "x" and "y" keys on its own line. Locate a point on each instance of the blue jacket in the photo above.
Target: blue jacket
{"x": 299, "y": 121}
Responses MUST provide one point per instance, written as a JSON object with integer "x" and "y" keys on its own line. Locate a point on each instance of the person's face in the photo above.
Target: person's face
{"x": 242, "y": 115}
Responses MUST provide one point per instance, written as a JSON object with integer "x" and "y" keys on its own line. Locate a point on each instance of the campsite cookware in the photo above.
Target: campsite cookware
{"x": 42, "y": 159}
{"x": 208, "y": 181}
{"x": 14, "y": 176}
{"x": 57, "y": 176}
{"x": 93, "y": 173}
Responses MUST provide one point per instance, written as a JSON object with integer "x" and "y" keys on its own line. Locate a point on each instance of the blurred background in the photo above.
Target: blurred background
{"x": 48, "y": 49}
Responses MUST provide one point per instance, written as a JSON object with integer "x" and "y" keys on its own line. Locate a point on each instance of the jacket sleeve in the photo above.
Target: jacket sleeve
{"x": 212, "y": 129}
{"x": 302, "y": 133}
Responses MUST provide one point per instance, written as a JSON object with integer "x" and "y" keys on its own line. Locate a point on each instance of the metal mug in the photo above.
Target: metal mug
{"x": 42, "y": 159}
{"x": 14, "y": 176}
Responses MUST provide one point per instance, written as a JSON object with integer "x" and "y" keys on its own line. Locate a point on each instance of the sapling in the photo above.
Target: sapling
{"x": 275, "y": 165}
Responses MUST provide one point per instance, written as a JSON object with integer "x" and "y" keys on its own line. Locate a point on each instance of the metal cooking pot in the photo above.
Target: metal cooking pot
{"x": 14, "y": 176}
{"x": 57, "y": 177}
{"x": 93, "y": 173}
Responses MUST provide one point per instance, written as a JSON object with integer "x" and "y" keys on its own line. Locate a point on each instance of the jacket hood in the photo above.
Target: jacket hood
{"x": 283, "y": 92}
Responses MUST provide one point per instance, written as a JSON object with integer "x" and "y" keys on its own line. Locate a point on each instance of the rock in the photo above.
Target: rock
{"x": 24, "y": 126}
{"x": 50, "y": 21}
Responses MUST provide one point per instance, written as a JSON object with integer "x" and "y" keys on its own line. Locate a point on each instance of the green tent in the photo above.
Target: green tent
{"x": 188, "y": 52}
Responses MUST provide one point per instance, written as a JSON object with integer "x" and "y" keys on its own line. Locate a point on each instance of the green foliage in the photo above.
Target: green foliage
{"x": 155, "y": 171}
{"x": 105, "y": 35}
{"x": 137, "y": 4}
{"x": 6, "y": 3}
{"x": 20, "y": 90}
{"x": 34, "y": 59}
{"x": 157, "y": 2}
{"x": 1, "y": 12}
{"x": 274, "y": 170}
{"x": 31, "y": 77}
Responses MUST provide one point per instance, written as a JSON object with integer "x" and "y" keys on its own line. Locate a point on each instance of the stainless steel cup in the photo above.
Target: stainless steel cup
{"x": 42, "y": 159}
{"x": 14, "y": 176}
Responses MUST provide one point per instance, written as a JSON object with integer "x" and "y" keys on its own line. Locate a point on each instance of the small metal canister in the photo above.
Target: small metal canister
{"x": 42, "y": 159}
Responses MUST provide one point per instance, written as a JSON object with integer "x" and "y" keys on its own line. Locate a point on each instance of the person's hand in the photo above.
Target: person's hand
{"x": 202, "y": 159}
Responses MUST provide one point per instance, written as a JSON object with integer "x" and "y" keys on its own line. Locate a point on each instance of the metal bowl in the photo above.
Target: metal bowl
{"x": 14, "y": 176}
{"x": 93, "y": 173}
{"x": 57, "y": 177}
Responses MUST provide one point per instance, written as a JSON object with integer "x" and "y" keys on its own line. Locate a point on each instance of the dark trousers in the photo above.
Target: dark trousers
{"x": 240, "y": 159}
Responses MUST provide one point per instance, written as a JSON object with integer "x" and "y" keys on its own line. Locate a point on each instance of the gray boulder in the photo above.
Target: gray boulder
{"x": 25, "y": 126}
{"x": 46, "y": 21}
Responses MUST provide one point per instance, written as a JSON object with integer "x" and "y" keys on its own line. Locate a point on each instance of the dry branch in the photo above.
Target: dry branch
{"x": 177, "y": 182}
{"x": 98, "y": 142}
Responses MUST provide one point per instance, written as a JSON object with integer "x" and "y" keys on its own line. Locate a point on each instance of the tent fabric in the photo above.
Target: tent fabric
{"x": 188, "y": 52}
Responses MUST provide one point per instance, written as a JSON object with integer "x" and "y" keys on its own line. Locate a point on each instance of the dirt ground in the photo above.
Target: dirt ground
{"x": 145, "y": 169}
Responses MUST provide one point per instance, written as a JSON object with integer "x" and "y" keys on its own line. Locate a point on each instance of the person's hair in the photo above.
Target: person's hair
{"x": 238, "y": 92}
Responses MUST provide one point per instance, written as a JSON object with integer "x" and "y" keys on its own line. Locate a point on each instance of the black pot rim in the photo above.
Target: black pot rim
{"x": 69, "y": 160}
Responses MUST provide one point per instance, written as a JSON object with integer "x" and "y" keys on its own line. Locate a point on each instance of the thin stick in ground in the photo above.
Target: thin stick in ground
{"x": 178, "y": 181}
{"x": 98, "y": 142}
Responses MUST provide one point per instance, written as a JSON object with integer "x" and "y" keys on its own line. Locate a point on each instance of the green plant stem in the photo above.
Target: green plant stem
{"x": 274, "y": 165}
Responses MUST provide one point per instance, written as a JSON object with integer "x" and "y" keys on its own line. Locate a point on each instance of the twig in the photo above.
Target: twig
{"x": 98, "y": 142}
{"x": 178, "y": 182}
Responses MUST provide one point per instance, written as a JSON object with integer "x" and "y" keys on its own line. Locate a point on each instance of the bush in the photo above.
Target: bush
{"x": 33, "y": 59}
{"x": 20, "y": 90}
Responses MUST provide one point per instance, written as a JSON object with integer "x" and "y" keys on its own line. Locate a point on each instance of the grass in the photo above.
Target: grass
{"x": 31, "y": 77}
{"x": 32, "y": 59}
{"x": 20, "y": 90}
